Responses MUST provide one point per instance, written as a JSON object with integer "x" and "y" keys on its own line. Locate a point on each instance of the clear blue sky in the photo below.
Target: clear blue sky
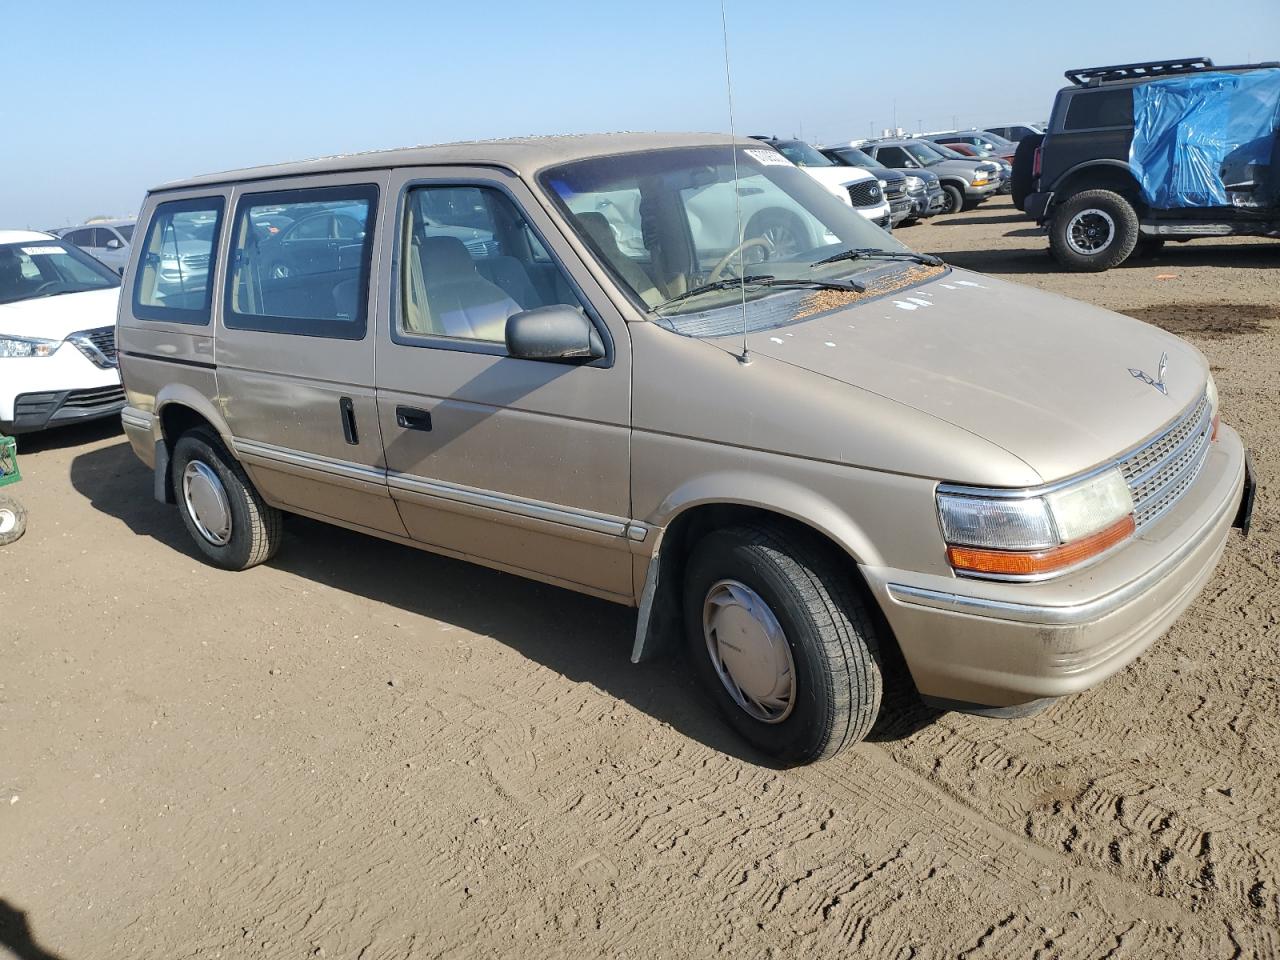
{"x": 106, "y": 99}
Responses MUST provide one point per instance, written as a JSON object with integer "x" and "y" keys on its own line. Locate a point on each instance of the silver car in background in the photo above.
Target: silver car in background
{"x": 107, "y": 241}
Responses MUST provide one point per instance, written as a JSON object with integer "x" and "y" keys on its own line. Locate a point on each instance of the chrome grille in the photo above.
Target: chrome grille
{"x": 102, "y": 396}
{"x": 865, "y": 193}
{"x": 894, "y": 189}
{"x": 98, "y": 344}
{"x": 1160, "y": 472}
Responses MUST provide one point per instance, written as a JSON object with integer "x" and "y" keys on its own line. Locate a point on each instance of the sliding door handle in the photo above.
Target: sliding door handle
{"x": 411, "y": 418}
{"x": 348, "y": 411}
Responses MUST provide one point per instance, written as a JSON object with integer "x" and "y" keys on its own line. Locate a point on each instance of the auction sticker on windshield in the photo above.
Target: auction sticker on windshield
{"x": 768, "y": 158}
{"x": 38, "y": 251}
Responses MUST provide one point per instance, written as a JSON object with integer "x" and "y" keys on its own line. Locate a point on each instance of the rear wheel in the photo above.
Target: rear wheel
{"x": 13, "y": 520}
{"x": 952, "y": 199}
{"x": 782, "y": 640}
{"x": 225, "y": 515}
{"x": 1093, "y": 230}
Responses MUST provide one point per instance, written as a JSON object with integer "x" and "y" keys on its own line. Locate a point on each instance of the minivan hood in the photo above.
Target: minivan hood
{"x": 1042, "y": 376}
{"x": 53, "y": 318}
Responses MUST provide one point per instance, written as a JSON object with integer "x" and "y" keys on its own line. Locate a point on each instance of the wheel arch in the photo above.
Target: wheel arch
{"x": 179, "y": 408}
{"x": 1114, "y": 175}
{"x": 684, "y": 521}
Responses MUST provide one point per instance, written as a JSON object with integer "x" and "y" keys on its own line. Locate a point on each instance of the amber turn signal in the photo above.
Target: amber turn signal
{"x": 1018, "y": 563}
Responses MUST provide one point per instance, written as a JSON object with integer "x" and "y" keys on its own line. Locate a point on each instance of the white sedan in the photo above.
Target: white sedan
{"x": 57, "y": 334}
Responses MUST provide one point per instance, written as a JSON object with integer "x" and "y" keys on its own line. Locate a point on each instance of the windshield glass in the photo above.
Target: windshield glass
{"x": 854, "y": 157}
{"x": 803, "y": 155}
{"x": 665, "y": 222}
{"x": 926, "y": 155}
{"x": 46, "y": 268}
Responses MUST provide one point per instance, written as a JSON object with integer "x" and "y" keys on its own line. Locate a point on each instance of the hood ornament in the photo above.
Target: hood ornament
{"x": 1158, "y": 380}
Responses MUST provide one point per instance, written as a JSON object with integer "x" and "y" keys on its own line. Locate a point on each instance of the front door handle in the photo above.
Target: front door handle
{"x": 349, "y": 420}
{"x": 411, "y": 418}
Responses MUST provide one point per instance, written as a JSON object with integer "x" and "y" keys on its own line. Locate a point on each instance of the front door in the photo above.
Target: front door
{"x": 295, "y": 346}
{"x": 521, "y": 464}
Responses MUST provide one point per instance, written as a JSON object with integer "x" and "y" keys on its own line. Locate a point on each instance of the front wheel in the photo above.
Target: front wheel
{"x": 782, "y": 640}
{"x": 1093, "y": 230}
{"x": 221, "y": 509}
{"x": 13, "y": 520}
{"x": 952, "y": 199}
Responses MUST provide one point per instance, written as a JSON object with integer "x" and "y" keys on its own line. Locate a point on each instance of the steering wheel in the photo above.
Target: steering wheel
{"x": 44, "y": 286}
{"x": 741, "y": 248}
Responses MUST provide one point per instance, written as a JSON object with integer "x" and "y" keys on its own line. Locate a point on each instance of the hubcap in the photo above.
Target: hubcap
{"x": 749, "y": 651}
{"x": 8, "y": 521}
{"x": 206, "y": 502}
{"x": 1090, "y": 231}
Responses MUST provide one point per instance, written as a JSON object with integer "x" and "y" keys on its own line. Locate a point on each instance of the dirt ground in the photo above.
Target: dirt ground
{"x": 364, "y": 751}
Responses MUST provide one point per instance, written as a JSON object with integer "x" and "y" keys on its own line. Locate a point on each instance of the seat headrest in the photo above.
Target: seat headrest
{"x": 596, "y": 226}
{"x": 445, "y": 257}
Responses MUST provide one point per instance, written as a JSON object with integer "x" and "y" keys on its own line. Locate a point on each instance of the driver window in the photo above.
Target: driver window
{"x": 470, "y": 260}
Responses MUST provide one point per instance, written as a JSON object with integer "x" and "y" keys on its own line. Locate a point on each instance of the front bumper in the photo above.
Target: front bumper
{"x": 1001, "y": 645}
{"x": 988, "y": 189}
{"x": 900, "y": 209}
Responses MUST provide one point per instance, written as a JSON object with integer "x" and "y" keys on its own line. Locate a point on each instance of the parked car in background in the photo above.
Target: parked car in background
{"x": 983, "y": 144}
{"x": 105, "y": 240}
{"x": 860, "y": 187}
{"x": 57, "y": 334}
{"x": 1015, "y": 132}
{"x": 1201, "y": 165}
{"x": 900, "y": 190}
{"x": 966, "y": 151}
{"x": 743, "y": 448}
{"x": 965, "y": 182}
{"x": 923, "y": 188}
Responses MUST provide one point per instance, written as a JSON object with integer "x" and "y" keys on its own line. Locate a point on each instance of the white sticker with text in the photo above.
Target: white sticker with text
{"x": 768, "y": 158}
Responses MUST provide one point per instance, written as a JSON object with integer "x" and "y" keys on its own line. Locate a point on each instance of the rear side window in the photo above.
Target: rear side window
{"x": 175, "y": 267}
{"x": 1094, "y": 109}
{"x": 300, "y": 262}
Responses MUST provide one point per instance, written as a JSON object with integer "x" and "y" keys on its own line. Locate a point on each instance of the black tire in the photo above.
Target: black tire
{"x": 827, "y": 627}
{"x": 782, "y": 228}
{"x": 1023, "y": 161}
{"x": 953, "y": 199}
{"x": 13, "y": 521}
{"x": 1113, "y": 242}
{"x": 256, "y": 528}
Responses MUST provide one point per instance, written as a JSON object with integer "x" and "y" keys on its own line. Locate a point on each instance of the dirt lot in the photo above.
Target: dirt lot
{"x": 365, "y": 751}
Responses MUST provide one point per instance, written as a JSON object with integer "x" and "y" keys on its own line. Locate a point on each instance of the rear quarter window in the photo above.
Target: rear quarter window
{"x": 176, "y": 263}
{"x": 1096, "y": 109}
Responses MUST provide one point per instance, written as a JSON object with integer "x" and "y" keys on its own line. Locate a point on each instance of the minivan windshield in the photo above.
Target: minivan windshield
{"x": 47, "y": 268}
{"x": 668, "y": 222}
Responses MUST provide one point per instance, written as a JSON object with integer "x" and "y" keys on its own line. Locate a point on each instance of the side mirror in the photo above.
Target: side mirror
{"x": 558, "y": 333}
{"x": 114, "y": 244}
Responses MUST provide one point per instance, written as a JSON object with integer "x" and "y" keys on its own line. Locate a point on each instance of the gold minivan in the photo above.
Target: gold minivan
{"x": 675, "y": 372}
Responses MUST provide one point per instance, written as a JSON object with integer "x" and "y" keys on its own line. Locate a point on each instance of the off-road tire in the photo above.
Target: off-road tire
{"x": 828, "y": 625}
{"x": 13, "y": 521}
{"x": 955, "y": 199}
{"x": 1124, "y": 236}
{"x": 257, "y": 529}
{"x": 1024, "y": 159}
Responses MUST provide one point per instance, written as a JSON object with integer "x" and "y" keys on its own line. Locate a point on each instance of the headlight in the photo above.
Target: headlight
{"x": 27, "y": 347}
{"x": 1034, "y": 534}
{"x": 915, "y": 183}
{"x": 883, "y": 183}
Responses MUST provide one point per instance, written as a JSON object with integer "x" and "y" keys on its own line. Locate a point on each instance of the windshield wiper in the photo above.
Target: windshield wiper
{"x": 874, "y": 253}
{"x": 764, "y": 280}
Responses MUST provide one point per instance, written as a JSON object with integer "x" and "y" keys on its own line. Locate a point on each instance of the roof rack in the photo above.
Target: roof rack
{"x": 1088, "y": 76}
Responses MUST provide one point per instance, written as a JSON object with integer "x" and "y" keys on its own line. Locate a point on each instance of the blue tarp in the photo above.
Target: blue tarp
{"x": 1186, "y": 128}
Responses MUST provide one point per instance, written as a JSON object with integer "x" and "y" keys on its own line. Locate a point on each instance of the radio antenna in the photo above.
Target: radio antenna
{"x": 744, "y": 358}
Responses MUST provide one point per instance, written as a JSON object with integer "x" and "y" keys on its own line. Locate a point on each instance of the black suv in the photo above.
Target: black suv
{"x": 1078, "y": 179}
